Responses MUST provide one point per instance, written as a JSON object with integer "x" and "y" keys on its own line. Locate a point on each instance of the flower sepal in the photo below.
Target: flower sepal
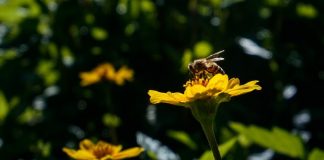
{"x": 205, "y": 109}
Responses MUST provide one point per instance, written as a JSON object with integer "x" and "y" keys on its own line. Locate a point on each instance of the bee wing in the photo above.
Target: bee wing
{"x": 216, "y": 56}
{"x": 217, "y": 59}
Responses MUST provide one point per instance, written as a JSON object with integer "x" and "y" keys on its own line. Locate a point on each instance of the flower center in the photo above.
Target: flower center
{"x": 102, "y": 150}
{"x": 197, "y": 81}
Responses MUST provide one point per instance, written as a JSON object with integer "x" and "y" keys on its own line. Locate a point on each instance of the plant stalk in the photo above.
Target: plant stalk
{"x": 205, "y": 113}
{"x": 208, "y": 127}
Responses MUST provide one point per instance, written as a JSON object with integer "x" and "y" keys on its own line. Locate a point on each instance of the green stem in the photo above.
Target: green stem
{"x": 208, "y": 127}
{"x": 205, "y": 113}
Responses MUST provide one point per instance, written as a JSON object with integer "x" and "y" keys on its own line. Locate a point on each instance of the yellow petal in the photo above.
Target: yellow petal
{"x": 101, "y": 69}
{"x": 79, "y": 154}
{"x": 86, "y": 144}
{"x": 117, "y": 149}
{"x": 88, "y": 78}
{"x": 195, "y": 91}
{"x": 170, "y": 98}
{"x": 110, "y": 71}
{"x": 123, "y": 74}
{"x": 219, "y": 82}
{"x": 128, "y": 153}
{"x": 242, "y": 89}
{"x": 233, "y": 82}
{"x": 126, "y": 73}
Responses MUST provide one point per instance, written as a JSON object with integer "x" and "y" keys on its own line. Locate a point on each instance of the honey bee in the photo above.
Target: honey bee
{"x": 206, "y": 66}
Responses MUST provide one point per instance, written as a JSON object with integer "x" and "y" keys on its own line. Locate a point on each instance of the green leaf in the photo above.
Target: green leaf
{"x": 67, "y": 56}
{"x": 46, "y": 70}
{"x": 316, "y": 154}
{"x": 227, "y": 146}
{"x": 203, "y": 49}
{"x": 4, "y": 107}
{"x": 290, "y": 143}
{"x": 30, "y": 115}
{"x": 186, "y": 59}
{"x": 277, "y": 139}
{"x": 14, "y": 11}
{"x": 99, "y": 33}
{"x": 223, "y": 149}
{"x": 44, "y": 148}
{"x": 207, "y": 155}
{"x": 111, "y": 120}
{"x": 306, "y": 10}
{"x": 147, "y": 6}
{"x": 182, "y": 137}
{"x": 238, "y": 127}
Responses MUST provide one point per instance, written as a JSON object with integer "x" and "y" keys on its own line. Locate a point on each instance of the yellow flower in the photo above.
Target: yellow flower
{"x": 204, "y": 89}
{"x": 121, "y": 75}
{"x": 108, "y": 72}
{"x": 101, "y": 151}
{"x": 89, "y": 78}
{"x": 203, "y": 96}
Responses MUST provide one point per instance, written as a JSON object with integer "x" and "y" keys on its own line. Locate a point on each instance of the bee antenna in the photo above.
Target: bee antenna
{"x": 219, "y": 52}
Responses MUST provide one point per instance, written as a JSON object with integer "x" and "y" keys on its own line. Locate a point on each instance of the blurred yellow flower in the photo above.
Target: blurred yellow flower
{"x": 89, "y": 78}
{"x": 101, "y": 151}
{"x": 120, "y": 76}
{"x": 205, "y": 89}
{"x": 108, "y": 72}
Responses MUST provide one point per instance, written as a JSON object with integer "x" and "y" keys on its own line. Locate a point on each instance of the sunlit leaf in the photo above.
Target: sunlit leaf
{"x": 265, "y": 13}
{"x": 53, "y": 51}
{"x": 203, "y": 49}
{"x": 186, "y": 59}
{"x": 44, "y": 148}
{"x": 135, "y": 8}
{"x": 238, "y": 127}
{"x": 207, "y": 155}
{"x": 89, "y": 18}
{"x": 306, "y": 10}
{"x": 130, "y": 29}
{"x": 8, "y": 54}
{"x": 224, "y": 148}
{"x": 30, "y": 116}
{"x": 147, "y": 6}
{"x": 244, "y": 141}
{"x": 46, "y": 70}
{"x": 67, "y": 56}
{"x": 216, "y": 3}
{"x": 182, "y": 137}
{"x": 43, "y": 26}
{"x": 275, "y": 3}
{"x": 111, "y": 120}
{"x": 4, "y": 107}
{"x": 204, "y": 10}
{"x": 316, "y": 154}
{"x": 13, "y": 11}
{"x": 277, "y": 139}
{"x": 99, "y": 33}
{"x": 152, "y": 155}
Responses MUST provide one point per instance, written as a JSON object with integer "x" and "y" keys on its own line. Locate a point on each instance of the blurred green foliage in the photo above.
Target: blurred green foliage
{"x": 44, "y": 45}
